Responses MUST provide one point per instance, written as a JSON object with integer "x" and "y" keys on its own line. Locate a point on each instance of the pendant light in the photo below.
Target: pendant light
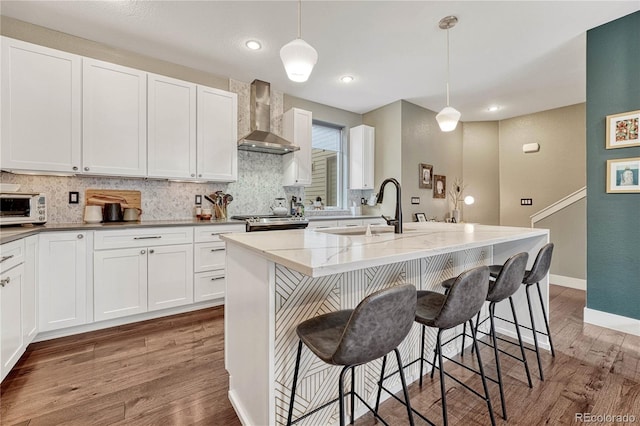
{"x": 448, "y": 118}
{"x": 298, "y": 56}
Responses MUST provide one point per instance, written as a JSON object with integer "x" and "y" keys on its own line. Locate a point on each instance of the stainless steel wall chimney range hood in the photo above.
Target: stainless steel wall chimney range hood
{"x": 261, "y": 139}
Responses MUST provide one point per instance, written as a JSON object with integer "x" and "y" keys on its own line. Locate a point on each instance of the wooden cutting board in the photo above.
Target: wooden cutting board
{"x": 127, "y": 198}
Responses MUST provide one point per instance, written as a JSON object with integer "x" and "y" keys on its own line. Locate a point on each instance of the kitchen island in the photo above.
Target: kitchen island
{"x": 275, "y": 280}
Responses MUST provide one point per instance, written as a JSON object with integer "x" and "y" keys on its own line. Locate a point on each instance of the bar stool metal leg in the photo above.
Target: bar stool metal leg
{"x": 484, "y": 380}
{"x": 524, "y": 357}
{"x": 546, "y": 321}
{"x": 404, "y": 387}
{"x": 384, "y": 364}
{"x": 353, "y": 391}
{"x": 341, "y": 394}
{"x": 442, "y": 388}
{"x": 295, "y": 381}
{"x": 492, "y": 306}
{"x": 535, "y": 334}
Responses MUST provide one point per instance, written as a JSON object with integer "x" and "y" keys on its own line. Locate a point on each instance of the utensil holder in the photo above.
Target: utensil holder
{"x": 220, "y": 212}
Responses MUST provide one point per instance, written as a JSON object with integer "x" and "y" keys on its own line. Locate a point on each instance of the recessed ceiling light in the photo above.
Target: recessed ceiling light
{"x": 493, "y": 108}
{"x": 253, "y": 45}
{"x": 346, "y": 78}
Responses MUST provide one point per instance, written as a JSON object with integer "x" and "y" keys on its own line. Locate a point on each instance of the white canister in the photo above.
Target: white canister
{"x": 93, "y": 214}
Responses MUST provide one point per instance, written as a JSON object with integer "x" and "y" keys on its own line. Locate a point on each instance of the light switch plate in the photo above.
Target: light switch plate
{"x": 198, "y": 200}
{"x": 526, "y": 201}
{"x": 74, "y": 197}
{"x": 415, "y": 200}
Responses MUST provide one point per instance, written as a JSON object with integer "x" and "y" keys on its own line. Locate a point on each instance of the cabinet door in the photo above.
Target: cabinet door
{"x": 29, "y": 292}
{"x": 62, "y": 280}
{"x": 11, "y": 347}
{"x": 361, "y": 157}
{"x": 172, "y": 128}
{"x": 114, "y": 119}
{"x": 41, "y": 101}
{"x": 296, "y": 127}
{"x": 217, "y": 134}
{"x": 119, "y": 283}
{"x": 170, "y": 276}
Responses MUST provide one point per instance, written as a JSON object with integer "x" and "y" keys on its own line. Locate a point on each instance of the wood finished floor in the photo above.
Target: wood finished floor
{"x": 171, "y": 372}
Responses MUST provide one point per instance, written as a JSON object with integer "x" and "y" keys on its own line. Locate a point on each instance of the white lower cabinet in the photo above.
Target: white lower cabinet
{"x": 142, "y": 274}
{"x": 170, "y": 276}
{"x": 18, "y": 305}
{"x": 63, "y": 279}
{"x": 11, "y": 341}
{"x": 119, "y": 283}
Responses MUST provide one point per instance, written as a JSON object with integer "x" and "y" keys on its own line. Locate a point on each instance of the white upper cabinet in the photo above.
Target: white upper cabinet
{"x": 296, "y": 128}
{"x": 361, "y": 157}
{"x": 217, "y": 135}
{"x": 114, "y": 117}
{"x": 41, "y": 98}
{"x": 172, "y": 128}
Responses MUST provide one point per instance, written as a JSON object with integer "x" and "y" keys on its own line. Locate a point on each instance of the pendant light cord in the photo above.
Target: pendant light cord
{"x": 447, "y": 66}
{"x": 299, "y": 18}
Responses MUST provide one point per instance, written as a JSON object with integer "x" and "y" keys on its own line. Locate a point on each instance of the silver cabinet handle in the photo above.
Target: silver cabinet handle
{"x": 142, "y": 252}
{"x": 219, "y": 233}
{"x": 193, "y": 175}
{"x": 75, "y": 168}
{"x": 152, "y": 251}
{"x": 200, "y": 175}
{"x": 5, "y": 281}
{"x": 86, "y": 169}
{"x": 148, "y": 238}
{"x": 6, "y": 258}
{"x": 80, "y": 236}
{"x": 219, "y": 249}
{"x": 217, "y": 278}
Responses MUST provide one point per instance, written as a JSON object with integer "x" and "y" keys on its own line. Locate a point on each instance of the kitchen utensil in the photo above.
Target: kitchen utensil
{"x": 93, "y": 214}
{"x": 112, "y": 212}
{"x": 131, "y": 214}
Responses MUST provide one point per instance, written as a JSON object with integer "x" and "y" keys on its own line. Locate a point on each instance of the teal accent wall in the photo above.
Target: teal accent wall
{"x": 613, "y": 220}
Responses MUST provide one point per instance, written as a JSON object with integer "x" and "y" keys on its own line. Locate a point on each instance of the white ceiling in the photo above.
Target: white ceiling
{"x": 523, "y": 56}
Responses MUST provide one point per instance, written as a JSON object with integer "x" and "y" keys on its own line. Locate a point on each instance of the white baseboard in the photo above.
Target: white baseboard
{"x": 561, "y": 280}
{"x": 612, "y": 321}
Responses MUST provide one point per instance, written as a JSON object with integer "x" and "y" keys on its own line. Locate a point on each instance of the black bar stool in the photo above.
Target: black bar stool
{"x": 464, "y": 300}
{"x": 538, "y": 271}
{"x": 504, "y": 287}
{"x": 356, "y": 336}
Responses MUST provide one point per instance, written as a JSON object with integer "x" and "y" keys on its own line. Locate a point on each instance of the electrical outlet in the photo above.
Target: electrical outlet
{"x": 526, "y": 201}
{"x": 198, "y": 200}
{"x": 74, "y": 197}
{"x": 415, "y": 200}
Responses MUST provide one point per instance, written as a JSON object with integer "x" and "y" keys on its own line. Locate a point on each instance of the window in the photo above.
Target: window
{"x": 326, "y": 166}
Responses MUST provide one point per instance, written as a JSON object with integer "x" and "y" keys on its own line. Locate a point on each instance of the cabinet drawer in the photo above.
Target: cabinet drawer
{"x": 11, "y": 254}
{"x": 208, "y": 234}
{"x": 350, "y": 222}
{"x": 209, "y": 285}
{"x": 129, "y": 238}
{"x": 374, "y": 221}
{"x": 322, "y": 224}
{"x": 209, "y": 256}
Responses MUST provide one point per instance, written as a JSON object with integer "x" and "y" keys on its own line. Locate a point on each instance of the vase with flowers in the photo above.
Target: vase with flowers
{"x": 456, "y": 197}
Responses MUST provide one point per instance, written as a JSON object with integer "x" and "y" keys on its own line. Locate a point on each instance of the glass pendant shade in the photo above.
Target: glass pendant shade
{"x": 298, "y": 58}
{"x": 448, "y": 119}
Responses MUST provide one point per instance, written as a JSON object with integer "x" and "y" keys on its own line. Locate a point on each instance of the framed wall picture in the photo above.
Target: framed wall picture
{"x": 420, "y": 217}
{"x": 622, "y": 130}
{"x": 623, "y": 175}
{"x": 425, "y": 176}
{"x": 439, "y": 186}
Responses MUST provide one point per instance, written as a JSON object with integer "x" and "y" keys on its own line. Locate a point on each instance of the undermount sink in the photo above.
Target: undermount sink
{"x": 357, "y": 230}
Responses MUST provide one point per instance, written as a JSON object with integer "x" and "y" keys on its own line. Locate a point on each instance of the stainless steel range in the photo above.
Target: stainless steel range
{"x": 272, "y": 222}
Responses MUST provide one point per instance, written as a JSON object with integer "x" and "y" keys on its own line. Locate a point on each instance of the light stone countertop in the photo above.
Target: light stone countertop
{"x": 316, "y": 253}
{"x": 12, "y": 233}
